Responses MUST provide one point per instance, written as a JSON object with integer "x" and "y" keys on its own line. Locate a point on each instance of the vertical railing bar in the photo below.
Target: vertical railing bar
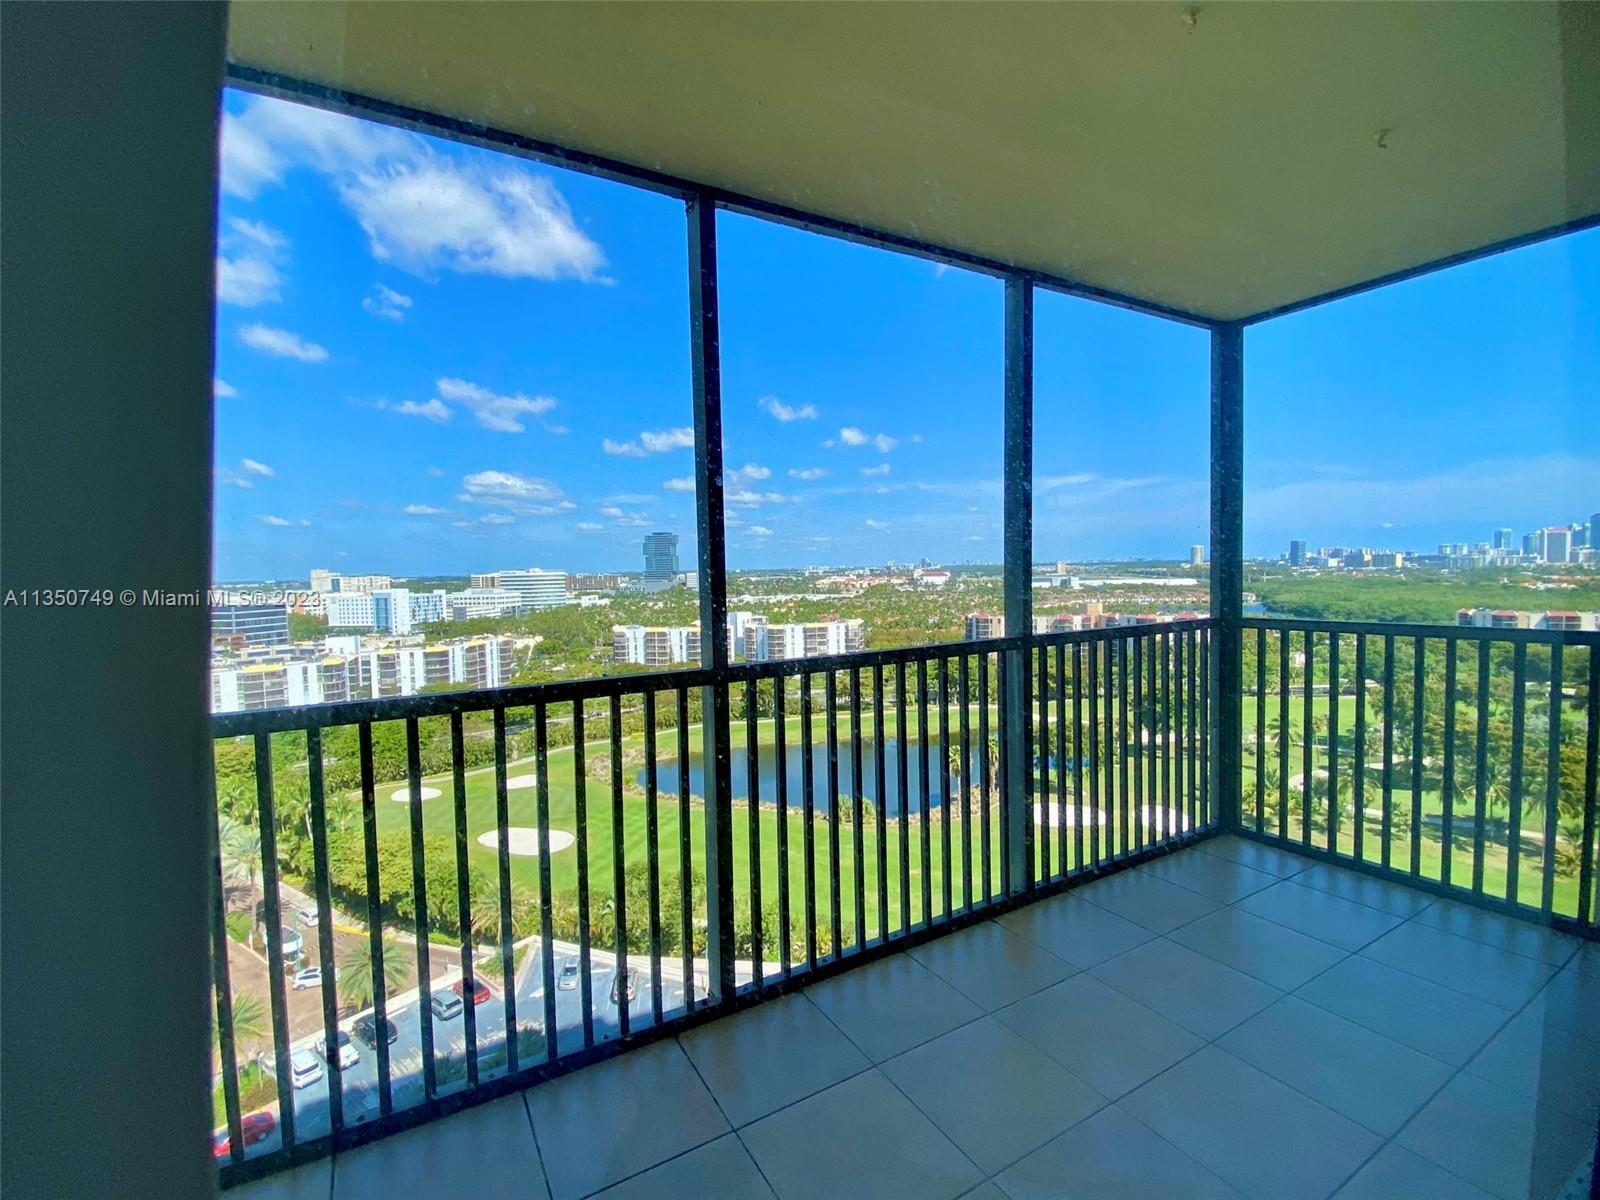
{"x": 502, "y": 819}
{"x": 458, "y": 783}
{"x": 1447, "y": 779}
{"x": 858, "y": 869}
{"x": 1552, "y": 783}
{"x": 1061, "y": 753}
{"x": 369, "y": 837}
{"x": 221, "y": 982}
{"x": 1207, "y": 810}
{"x": 1285, "y": 644}
{"x": 1077, "y": 755}
{"x": 944, "y": 786}
{"x": 926, "y": 832}
{"x": 1039, "y": 766}
{"x": 1591, "y": 769}
{"x": 1418, "y": 652}
{"x": 1261, "y": 726}
{"x": 881, "y": 783}
{"x": 1307, "y": 734}
{"x": 1519, "y": 720}
{"x": 964, "y": 684}
{"x": 1359, "y": 779}
{"x": 752, "y": 753}
{"x": 323, "y": 891}
{"x": 830, "y": 699}
{"x": 1179, "y": 748}
{"x": 266, "y": 825}
{"x": 580, "y": 808}
{"x": 1092, "y": 653}
{"x": 1197, "y": 699}
{"x": 652, "y": 837}
{"x": 780, "y": 756}
{"x": 1135, "y": 735}
{"x": 547, "y": 940}
{"x": 419, "y": 901}
{"x": 1333, "y": 741}
{"x": 686, "y": 856}
{"x": 1388, "y": 748}
{"x": 808, "y": 802}
{"x": 903, "y": 791}
{"x": 1123, "y": 792}
{"x": 1480, "y": 770}
{"x": 623, "y": 977}
{"x": 1151, "y": 739}
{"x": 983, "y": 778}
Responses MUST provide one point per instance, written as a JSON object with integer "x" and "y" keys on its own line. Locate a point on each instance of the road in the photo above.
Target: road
{"x": 359, "y": 1083}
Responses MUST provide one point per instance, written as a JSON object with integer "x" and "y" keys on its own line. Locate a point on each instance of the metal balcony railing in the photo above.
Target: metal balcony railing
{"x": 1461, "y": 760}
{"x": 826, "y": 811}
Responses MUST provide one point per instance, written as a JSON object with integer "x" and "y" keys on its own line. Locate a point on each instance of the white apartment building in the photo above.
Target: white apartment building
{"x": 535, "y": 587}
{"x": 766, "y": 642}
{"x": 365, "y": 584}
{"x": 981, "y": 626}
{"x": 264, "y": 685}
{"x": 483, "y": 602}
{"x": 427, "y": 607}
{"x": 323, "y": 580}
{"x": 655, "y": 646}
{"x": 349, "y": 610}
{"x": 490, "y": 580}
{"x": 391, "y": 611}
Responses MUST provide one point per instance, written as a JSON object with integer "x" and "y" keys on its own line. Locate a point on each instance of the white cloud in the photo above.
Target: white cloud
{"x": 421, "y": 208}
{"x": 494, "y": 411}
{"x": 635, "y": 521}
{"x": 222, "y": 389}
{"x": 496, "y": 519}
{"x": 746, "y": 498}
{"x": 424, "y": 510}
{"x": 610, "y": 510}
{"x": 759, "y": 531}
{"x": 683, "y": 484}
{"x": 588, "y": 527}
{"x": 387, "y": 303}
{"x": 808, "y": 473}
{"x": 259, "y": 232}
{"x": 247, "y": 281}
{"x": 880, "y": 469}
{"x": 437, "y": 472}
{"x": 786, "y": 413}
{"x": 658, "y": 442}
{"x": 1049, "y": 483}
{"x": 667, "y": 439}
{"x": 851, "y": 436}
{"x": 281, "y": 344}
{"x": 872, "y": 524}
{"x": 256, "y": 468}
{"x": 753, "y": 471}
{"x": 435, "y": 410}
{"x": 917, "y": 438}
{"x": 304, "y": 522}
{"x": 558, "y": 429}
{"x": 503, "y": 487}
{"x": 278, "y": 521}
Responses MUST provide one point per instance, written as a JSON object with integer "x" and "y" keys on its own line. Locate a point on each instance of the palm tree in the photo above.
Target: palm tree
{"x": 355, "y": 972}
{"x": 241, "y": 860}
{"x": 249, "y": 1020}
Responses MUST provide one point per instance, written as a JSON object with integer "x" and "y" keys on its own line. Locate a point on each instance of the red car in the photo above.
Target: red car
{"x": 480, "y": 990}
{"x": 253, "y": 1127}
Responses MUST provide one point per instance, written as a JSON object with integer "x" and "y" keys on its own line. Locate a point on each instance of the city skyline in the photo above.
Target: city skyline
{"x": 432, "y": 354}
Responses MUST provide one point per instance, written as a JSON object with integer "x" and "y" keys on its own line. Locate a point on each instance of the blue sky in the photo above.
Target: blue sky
{"x": 437, "y": 359}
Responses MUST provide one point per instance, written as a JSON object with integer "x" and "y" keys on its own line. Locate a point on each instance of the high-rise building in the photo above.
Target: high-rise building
{"x": 655, "y": 646}
{"x": 660, "y": 561}
{"x": 1504, "y": 540}
{"x": 1297, "y": 553}
{"x": 349, "y": 610}
{"x": 250, "y": 624}
{"x": 578, "y": 584}
{"x": 1197, "y": 556}
{"x": 391, "y": 611}
{"x": 427, "y": 607}
{"x": 323, "y": 580}
{"x": 1533, "y": 544}
{"x": 1558, "y": 544}
{"x": 980, "y": 626}
{"x": 365, "y": 584}
{"x": 764, "y": 642}
{"x": 535, "y": 587}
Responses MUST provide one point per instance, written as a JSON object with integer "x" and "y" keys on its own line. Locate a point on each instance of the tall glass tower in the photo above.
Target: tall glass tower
{"x": 660, "y": 560}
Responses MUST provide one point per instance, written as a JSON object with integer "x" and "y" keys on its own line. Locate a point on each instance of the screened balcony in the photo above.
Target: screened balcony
{"x": 1224, "y": 905}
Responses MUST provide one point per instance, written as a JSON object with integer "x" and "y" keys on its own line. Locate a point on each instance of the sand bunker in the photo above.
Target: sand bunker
{"x": 403, "y": 795}
{"x": 1056, "y": 815}
{"x": 519, "y": 782}
{"x": 520, "y": 839}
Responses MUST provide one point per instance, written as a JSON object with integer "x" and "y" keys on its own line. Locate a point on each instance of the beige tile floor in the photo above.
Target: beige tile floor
{"x": 1233, "y": 1020}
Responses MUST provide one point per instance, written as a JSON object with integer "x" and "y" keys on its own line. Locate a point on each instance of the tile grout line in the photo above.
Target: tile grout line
{"x": 538, "y": 1150}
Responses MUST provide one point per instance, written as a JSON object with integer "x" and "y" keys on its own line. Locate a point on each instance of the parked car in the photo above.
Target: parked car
{"x": 366, "y": 1031}
{"x": 307, "y": 917}
{"x": 567, "y": 980}
{"x": 445, "y": 1005}
{"x": 625, "y": 983}
{"x": 253, "y": 1127}
{"x": 304, "y": 1068}
{"x": 291, "y": 942}
{"x": 480, "y": 990}
{"x": 310, "y": 977}
{"x": 347, "y": 1052}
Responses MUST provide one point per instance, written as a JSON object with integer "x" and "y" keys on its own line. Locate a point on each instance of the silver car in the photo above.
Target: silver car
{"x": 304, "y": 1068}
